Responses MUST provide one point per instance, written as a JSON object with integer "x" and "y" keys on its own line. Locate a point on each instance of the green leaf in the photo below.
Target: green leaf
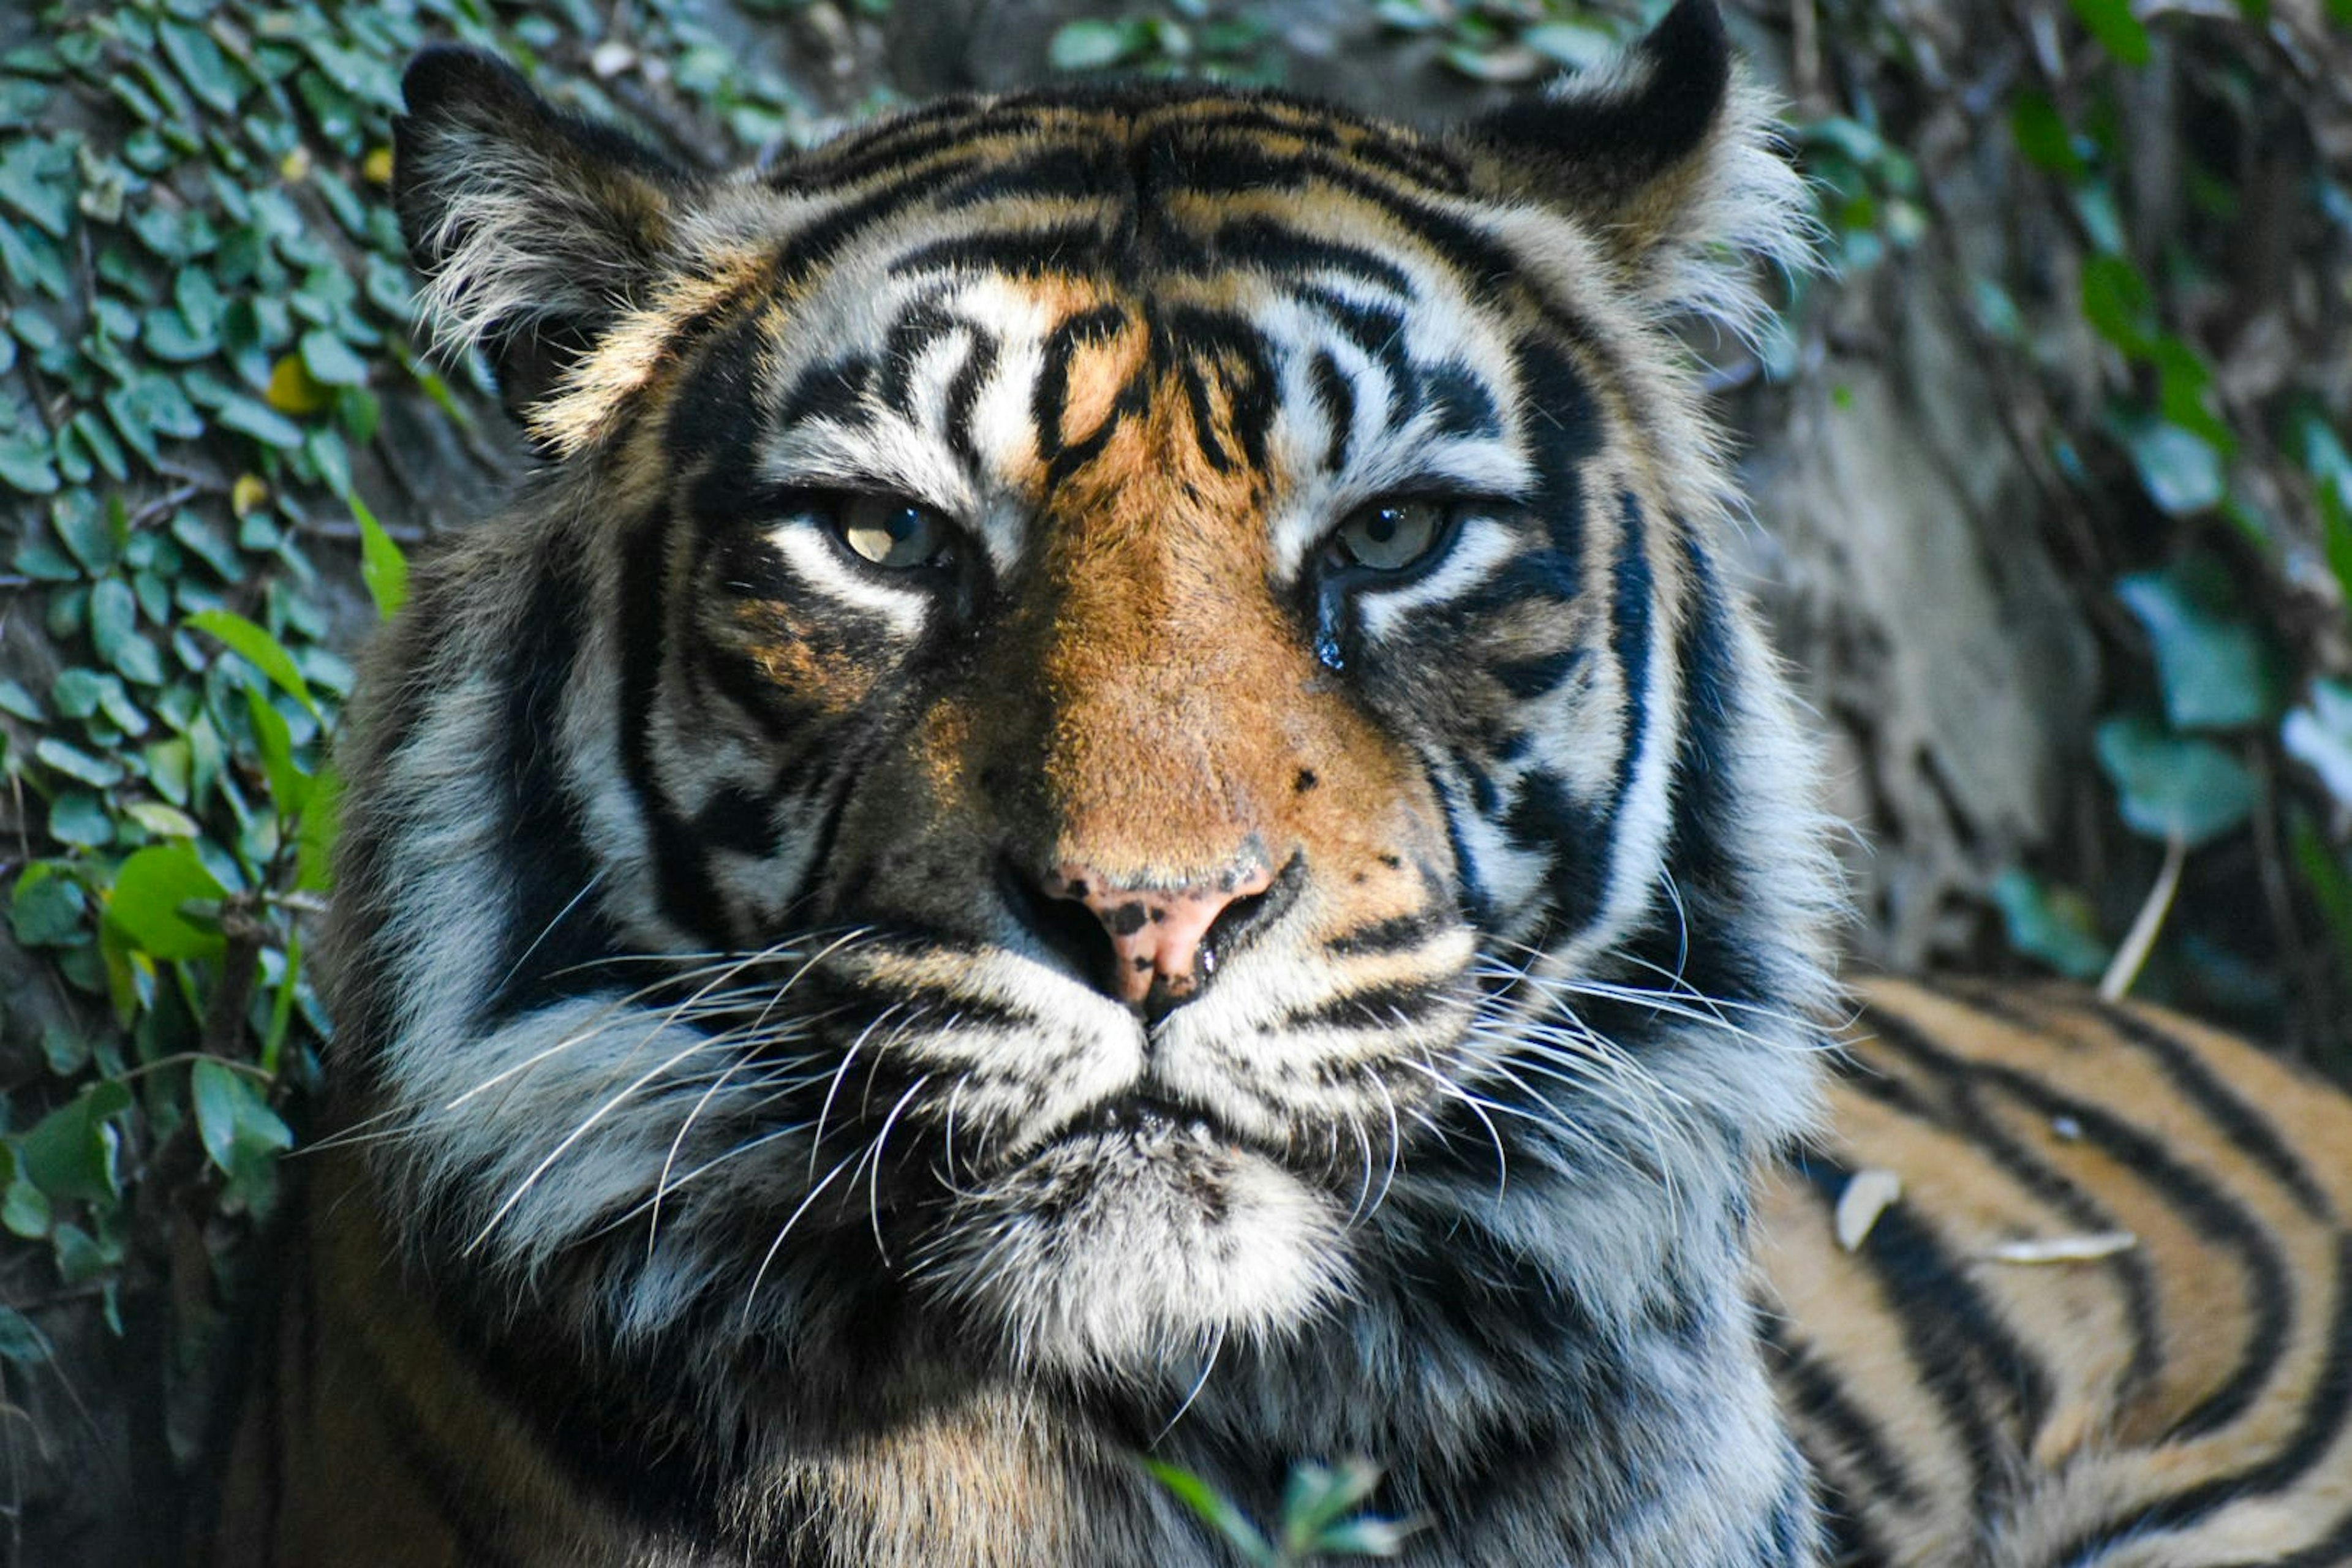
{"x": 1090, "y": 44}
{"x": 45, "y": 907}
{"x": 149, "y": 892}
{"x": 257, "y": 648}
{"x": 1315, "y": 1497}
{"x": 24, "y": 1210}
{"x": 99, "y": 773}
{"x": 2170, "y": 788}
{"x": 2336, "y": 524}
{"x": 2319, "y": 736}
{"x": 20, "y": 1341}
{"x": 2055, "y": 925}
{"x": 113, "y": 618}
{"x": 201, "y": 65}
{"x": 2210, "y": 663}
{"x": 36, "y": 179}
{"x": 314, "y": 848}
{"x": 70, "y": 1154}
{"x": 2041, "y": 135}
{"x": 330, "y": 361}
{"x": 1221, "y": 1515}
{"x": 2179, "y": 470}
{"x": 233, "y": 1117}
{"x": 289, "y": 786}
{"x": 78, "y": 817}
{"x": 27, "y": 465}
{"x": 265, "y": 424}
{"x": 2112, "y": 23}
{"x": 2117, "y": 304}
{"x": 383, "y": 567}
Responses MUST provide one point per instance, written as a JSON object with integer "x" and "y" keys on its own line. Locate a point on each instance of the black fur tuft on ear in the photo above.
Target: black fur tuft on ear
{"x": 532, "y": 228}
{"x": 1655, "y": 111}
{"x": 1669, "y": 152}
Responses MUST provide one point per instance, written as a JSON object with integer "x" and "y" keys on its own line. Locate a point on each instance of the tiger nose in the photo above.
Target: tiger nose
{"x": 1156, "y": 934}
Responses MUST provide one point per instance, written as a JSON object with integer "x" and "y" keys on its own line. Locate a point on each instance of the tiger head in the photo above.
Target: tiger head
{"x": 1110, "y": 725}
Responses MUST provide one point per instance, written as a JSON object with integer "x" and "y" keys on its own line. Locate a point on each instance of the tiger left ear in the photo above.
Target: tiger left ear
{"x": 533, "y": 229}
{"x": 1668, "y": 154}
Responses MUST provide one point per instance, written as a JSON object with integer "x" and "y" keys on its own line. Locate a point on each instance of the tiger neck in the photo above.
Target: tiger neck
{"x": 1514, "y": 1425}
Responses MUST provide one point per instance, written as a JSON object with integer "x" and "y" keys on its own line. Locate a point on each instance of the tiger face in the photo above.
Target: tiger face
{"x": 1111, "y": 733}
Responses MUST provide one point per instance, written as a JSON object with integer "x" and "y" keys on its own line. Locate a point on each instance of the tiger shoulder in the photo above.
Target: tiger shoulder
{"x": 1106, "y": 797}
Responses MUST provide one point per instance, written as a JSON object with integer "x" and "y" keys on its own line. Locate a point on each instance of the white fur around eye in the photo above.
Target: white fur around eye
{"x": 808, "y": 547}
{"x": 1479, "y": 551}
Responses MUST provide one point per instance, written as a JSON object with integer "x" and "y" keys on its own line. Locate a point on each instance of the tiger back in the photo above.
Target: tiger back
{"x": 1108, "y": 797}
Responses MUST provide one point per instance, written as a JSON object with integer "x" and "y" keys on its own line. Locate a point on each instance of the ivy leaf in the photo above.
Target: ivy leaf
{"x": 2119, "y": 31}
{"x": 201, "y": 65}
{"x": 2319, "y": 736}
{"x": 146, "y": 906}
{"x": 383, "y": 567}
{"x": 45, "y": 907}
{"x": 2210, "y": 665}
{"x": 1090, "y": 44}
{"x": 2117, "y": 304}
{"x": 36, "y": 179}
{"x": 2180, "y": 470}
{"x": 1216, "y": 1510}
{"x": 2041, "y": 135}
{"x": 258, "y": 648}
{"x": 330, "y": 362}
{"x": 233, "y": 1118}
{"x": 2170, "y": 788}
{"x": 20, "y": 1341}
{"x": 2053, "y": 924}
{"x": 71, "y": 1153}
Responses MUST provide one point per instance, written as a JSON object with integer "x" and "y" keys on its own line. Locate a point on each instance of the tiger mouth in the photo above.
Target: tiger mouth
{"x": 1145, "y": 1120}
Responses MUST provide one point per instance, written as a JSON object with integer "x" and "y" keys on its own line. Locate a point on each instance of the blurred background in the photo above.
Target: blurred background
{"x": 2054, "y": 513}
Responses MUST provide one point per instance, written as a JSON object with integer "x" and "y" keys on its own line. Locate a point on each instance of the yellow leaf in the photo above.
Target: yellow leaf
{"x": 295, "y": 167}
{"x": 376, "y": 167}
{"x": 246, "y": 494}
{"x": 292, "y": 390}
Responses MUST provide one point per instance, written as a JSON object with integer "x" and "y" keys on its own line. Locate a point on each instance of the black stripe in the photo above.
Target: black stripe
{"x": 1098, "y": 324}
{"x": 1277, "y": 247}
{"x": 685, "y": 895}
{"x": 920, "y": 325}
{"x": 1075, "y": 250}
{"x": 555, "y": 926}
{"x": 1192, "y": 339}
{"x": 2133, "y": 1272}
{"x": 2321, "y": 1427}
{"x": 1382, "y": 1007}
{"x": 1394, "y": 935}
{"x": 2193, "y": 1197}
{"x": 963, "y": 396}
{"x": 2245, "y": 1128}
{"x": 1813, "y": 1391}
{"x": 1957, "y": 1343}
{"x": 1335, "y": 398}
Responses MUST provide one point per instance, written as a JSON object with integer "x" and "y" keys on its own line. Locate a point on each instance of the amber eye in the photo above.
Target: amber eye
{"x": 1390, "y": 535}
{"x": 891, "y": 532}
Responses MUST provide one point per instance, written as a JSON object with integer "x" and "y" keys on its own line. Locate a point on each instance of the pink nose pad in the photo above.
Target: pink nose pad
{"x": 1156, "y": 934}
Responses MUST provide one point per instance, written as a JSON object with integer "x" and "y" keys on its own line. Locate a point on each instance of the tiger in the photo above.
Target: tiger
{"x": 1109, "y": 797}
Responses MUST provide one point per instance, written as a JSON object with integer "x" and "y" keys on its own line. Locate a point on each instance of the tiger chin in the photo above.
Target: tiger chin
{"x": 1105, "y": 795}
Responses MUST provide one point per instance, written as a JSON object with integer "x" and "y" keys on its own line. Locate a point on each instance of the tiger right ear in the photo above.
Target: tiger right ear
{"x": 1668, "y": 154}
{"x": 534, "y": 229}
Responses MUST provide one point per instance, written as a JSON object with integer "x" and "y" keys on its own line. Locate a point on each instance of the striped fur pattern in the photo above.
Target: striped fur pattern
{"x": 1022, "y": 539}
{"x": 2107, "y": 1321}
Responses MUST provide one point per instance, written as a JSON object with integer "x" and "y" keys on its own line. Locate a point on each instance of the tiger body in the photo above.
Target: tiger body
{"x": 1107, "y": 798}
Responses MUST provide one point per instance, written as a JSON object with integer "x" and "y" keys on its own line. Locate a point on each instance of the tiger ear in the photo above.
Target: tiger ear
{"x": 533, "y": 229}
{"x": 1669, "y": 155}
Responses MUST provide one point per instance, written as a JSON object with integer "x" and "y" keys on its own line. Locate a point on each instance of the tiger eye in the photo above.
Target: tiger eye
{"x": 1391, "y": 535}
{"x": 891, "y": 532}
